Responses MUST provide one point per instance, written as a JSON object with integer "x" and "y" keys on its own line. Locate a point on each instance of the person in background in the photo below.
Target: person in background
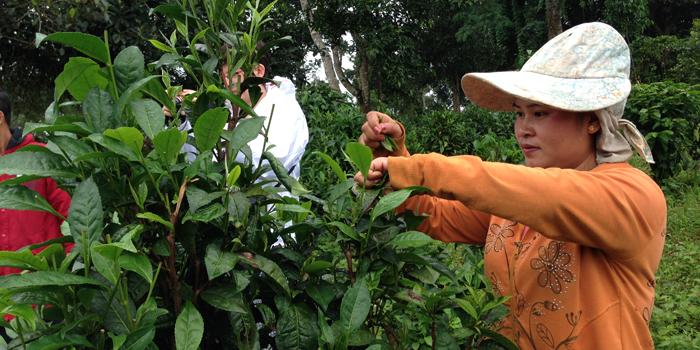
{"x": 21, "y": 228}
{"x": 574, "y": 236}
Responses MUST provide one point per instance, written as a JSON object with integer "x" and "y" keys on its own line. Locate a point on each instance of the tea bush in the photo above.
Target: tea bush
{"x": 668, "y": 114}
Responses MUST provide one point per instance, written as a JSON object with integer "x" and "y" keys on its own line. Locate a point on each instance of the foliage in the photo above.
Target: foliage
{"x": 177, "y": 254}
{"x": 675, "y": 322}
{"x": 668, "y": 114}
{"x": 667, "y": 57}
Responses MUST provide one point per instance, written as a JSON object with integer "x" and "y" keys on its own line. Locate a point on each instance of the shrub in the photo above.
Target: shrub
{"x": 668, "y": 114}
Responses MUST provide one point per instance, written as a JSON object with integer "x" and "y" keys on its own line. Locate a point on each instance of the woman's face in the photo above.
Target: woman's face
{"x": 550, "y": 137}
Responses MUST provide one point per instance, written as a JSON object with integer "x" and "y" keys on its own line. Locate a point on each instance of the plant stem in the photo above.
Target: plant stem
{"x": 111, "y": 68}
{"x": 348, "y": 259}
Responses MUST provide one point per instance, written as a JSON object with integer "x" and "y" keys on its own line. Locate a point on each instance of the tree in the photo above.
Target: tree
{"x": 553, "y": 9}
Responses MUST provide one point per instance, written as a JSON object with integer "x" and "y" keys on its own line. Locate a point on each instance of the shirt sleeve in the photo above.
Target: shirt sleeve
{"x": 614, "y": 207}
{"x": 448, "y": 220}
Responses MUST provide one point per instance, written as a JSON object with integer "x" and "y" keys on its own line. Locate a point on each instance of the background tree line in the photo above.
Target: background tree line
{"x": 400, "y": 50}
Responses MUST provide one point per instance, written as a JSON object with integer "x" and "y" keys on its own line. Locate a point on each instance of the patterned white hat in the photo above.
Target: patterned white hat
{"x": 586, "y": 68}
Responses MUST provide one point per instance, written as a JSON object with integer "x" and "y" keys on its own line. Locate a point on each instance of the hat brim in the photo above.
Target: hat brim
{"x": 498, "y": 90}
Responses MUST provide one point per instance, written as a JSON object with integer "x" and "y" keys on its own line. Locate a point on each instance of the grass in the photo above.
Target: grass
{"x": 675, "y": 322}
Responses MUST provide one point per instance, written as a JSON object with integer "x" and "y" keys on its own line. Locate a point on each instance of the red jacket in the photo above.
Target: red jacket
{"x": 20, "y": 228}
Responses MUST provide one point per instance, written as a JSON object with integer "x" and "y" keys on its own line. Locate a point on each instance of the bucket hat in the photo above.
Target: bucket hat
{"x": 585, "y": 68}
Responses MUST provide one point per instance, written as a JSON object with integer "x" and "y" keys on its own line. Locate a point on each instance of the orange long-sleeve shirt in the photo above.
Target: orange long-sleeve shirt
{"x": 576, "y": 250}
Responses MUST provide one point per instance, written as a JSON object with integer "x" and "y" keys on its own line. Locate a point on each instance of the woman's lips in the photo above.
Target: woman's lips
{"x": 529, "y": 149}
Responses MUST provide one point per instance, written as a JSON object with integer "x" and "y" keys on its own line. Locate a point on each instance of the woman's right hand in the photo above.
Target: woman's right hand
{"x": 375, "y": 130}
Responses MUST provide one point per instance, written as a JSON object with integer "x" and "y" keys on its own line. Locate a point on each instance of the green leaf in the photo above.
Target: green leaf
{"x": 23, "y": 259}
{"x": 233, "y": 176}
{"x": 113, "y": 145}
{"x": 129, "y": 94}
{"x": 117, "y": 340}
{"x": 98, "y": 107}
{"x": 79, "y": 76}
{"x": 218, "y": 261}
{"x": 317, "y": 266}
{"x": 389, "y": 144}
{"x": 468, "y": 307}
{"x": 22, "y": 198}
{"x": 140, "y": 339}
{"x": 206, "y": 214}
{"x": 235, "y": 100}
{"x": 327, "y": 334}
{"x": 149, "y": 116}
{"x": 106, "y": 260}
{"x": 297, "y": 329}
{"x": 85, "y": 216}
{"x": 155, "y": 89}
{"x": 169, "y": 143}
{"x": 131, "y": 137}
{"x": 43, "y": 279}
{"x": 197, "y": 198}
{"x": 35, "y": 163}
{"x": 337, "y": 170}
{"x": 137, "y": 263}
{"x": 411, "y": 239}
{"x": 289, "y": 182}
{"x": 360, "y": 156}
{"x": 270, "y": 268}
{"x": 128, "y": 67}
{"x": 354, "y": 308}
{"x": 85, "y": 43}
{"x": 238, "y": 207}
{"x": 71, "y": 147}
{"x": 161, "y": 46}
{"x": 189, "y": 328}
{"x": 347, "y": 230}
{"x": 323, "y": 293}
{"x": 155, "y": 218}
{"x": 225, "y": 298}
{"x": 390, "y": 202}
{"x": 77, "y": 128}
{"x": 59, "y": 341}
{"x": 245, "y": 131}
{"x": 209, "y": 126}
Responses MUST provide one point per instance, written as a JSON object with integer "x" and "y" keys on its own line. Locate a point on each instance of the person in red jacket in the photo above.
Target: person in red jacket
{"x": 20, "y": 228}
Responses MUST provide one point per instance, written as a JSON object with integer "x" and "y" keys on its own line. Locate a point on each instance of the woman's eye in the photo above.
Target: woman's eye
{"x": 540, "y": 114}
{"x": 518, "y": 114}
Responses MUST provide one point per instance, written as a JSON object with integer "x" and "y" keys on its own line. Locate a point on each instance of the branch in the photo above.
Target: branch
{"x": 337, "y": 65}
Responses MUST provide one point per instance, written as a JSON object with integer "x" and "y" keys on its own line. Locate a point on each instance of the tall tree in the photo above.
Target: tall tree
{"x": 323, "y": 49}
{"x": 553, "y": 10}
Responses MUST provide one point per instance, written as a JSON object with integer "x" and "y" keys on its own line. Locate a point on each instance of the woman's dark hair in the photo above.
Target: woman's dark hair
{"x": 6, "y": 106}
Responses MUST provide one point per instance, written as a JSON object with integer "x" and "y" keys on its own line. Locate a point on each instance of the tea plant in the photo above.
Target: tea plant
{"x": 173, "y": 253}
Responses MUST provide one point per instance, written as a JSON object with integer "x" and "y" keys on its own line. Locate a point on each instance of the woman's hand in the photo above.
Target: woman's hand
{"x": 375, "y": 130}
{"x": 377, "y": 169}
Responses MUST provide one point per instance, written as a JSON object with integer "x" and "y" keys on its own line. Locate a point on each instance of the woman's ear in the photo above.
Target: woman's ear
{"x": 592, "y": 123}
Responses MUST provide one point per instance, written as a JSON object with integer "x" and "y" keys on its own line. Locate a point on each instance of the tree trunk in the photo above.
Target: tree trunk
{"x": 363, "y": 73}
{"x": 325, "y": 53}
{"x": 553, "y": 9}
{"x": 337, "y": 61}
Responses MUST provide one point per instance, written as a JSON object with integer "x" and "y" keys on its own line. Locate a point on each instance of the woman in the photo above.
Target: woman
{"x": 576, "y": 234}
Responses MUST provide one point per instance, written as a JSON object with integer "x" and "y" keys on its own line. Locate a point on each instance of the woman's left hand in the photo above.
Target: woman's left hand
{"x": 377, "y": 169}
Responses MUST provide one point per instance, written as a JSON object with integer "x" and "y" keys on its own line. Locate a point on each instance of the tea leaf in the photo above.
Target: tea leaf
{"x": 337, "y": 170}
{"x": 155, "y": 218}
{"x": 208, "y": 128}
{"x": 128, "y": 67}
{"x": 106, "y": 261}
{"x": 411, "y": 239}
{"x": 225, "y": 298}
{"x": 149, "y": 116}
{"x": 390, "y": 202}
{"x": 79, "y": 76}
{"x": 245, "y": 131}
{"x": 127, "y": 96}
{"x": 354, "y": 308}
{"x": 35, "y": 163}
{"x": 140, "y": 339}
{"x": 168, "y": 144}
{"x": 138, "y": 263}
{"x": 22, "y": 198}
{"x": 189, "y": 328}
{"x": 22, "y": 259}
{"x": 360, "y": 156}
{"x": 218, "y": 261}
{"x": 271, "y": 269}
{"x": 98, "y": 108}
{"x": 233, "y": 176}
{"x": 297, "y": 329}
{"x": 131, "y": 137}
{"x": 317, "y": 266}
{"x": 45, "y": 278}
{"x": 347, "y": 230}
{"x": 85, "y": 43}
{"x": 290, "y": 183}
{"x": 59, "y": 341}
{"x": 389, "y": 144}
{"x": 85, "y": 216}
